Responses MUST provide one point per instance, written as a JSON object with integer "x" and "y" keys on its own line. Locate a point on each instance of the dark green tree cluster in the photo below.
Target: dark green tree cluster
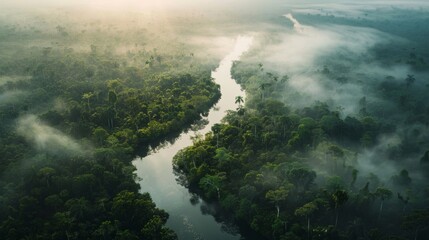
{"x": 290, "y": 174}
{"x": 70, "y": 176}
{"x": 62, "y": 197}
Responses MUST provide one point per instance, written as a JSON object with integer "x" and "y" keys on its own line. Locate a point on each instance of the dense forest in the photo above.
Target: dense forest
{"x": 332, "y": 149}
{"x": 74, "y": 118}
{"x": 329, "y": 142}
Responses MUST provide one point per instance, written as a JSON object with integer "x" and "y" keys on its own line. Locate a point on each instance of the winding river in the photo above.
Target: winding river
{"x": 189, "y": 215}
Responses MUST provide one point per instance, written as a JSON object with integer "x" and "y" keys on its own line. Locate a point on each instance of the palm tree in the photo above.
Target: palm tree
{"x": 239, "y": 100}
{"x": 410, "y": 80}
{"x": 263, "y": 86}
{"x": 87, "y": 96}
{"x": 339, "y": 198}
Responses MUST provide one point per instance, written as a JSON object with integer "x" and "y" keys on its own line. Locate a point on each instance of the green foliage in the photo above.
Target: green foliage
{"x": 306, "y": 210}
{"x": 302, "y": 162}
{"x": 212, "y": 184}
{"x": 278, "y": 195}
{"x": 110, "y": 104}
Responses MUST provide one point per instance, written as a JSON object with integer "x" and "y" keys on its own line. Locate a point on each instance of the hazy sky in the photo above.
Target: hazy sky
{"x": 241, "y": 6}
{"x": 134, "y": 4}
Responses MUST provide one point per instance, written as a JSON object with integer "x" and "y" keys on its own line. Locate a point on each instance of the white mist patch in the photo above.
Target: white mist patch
{"x": 299, "y": 51}
{"x": 242, "y": 45}
{"x": 375, "y": 161}
{"x": 353, "y": 9}
{"x": 296, "y": 25}
{"x": 208, "y": 42}
{"x": 303, "y": 55}
{"x": 307, "y": 84}
{"x": 381, "y": 71}
{"x": 11, "y": 79}
{"x": 46, "y": 138}
{"x": 327, "y": 39}
{"x": 11, "y": 96}
{"x": 211, "y": 45}
{"x": 366, "y": 166}
{"x": 349, "y": 10}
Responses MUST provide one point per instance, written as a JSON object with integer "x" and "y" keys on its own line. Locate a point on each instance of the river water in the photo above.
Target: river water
{"x": 190, "y": 219}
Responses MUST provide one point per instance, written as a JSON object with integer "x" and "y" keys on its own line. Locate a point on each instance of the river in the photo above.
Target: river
{"x": 190, "y": 219}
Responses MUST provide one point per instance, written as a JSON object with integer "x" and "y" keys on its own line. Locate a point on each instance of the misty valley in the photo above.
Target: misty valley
{"x": 251, "y": 119}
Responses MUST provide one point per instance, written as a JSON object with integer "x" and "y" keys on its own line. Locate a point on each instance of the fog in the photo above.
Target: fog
{"x": 303, "y": 53}
{"x": 366, "y": 60}
{"x": 328, "y": 62}
{"x": 146, "y": 5}
{"x": 47, "y": 139}
{"x": 10, "y": 97}
{"x": 343, "y": 59}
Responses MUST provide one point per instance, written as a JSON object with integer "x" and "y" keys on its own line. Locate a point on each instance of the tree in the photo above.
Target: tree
{"x": 403, "y": 179}
{"x": 306, "y": 211}
{"x": 416, "y": 221}
{"x": 87, "y": 96}
{"x": 404, "y": 200}
{"x": 53, "y": 201}
{"x": 365, "y": 197}
{"x": 339, "y": 198}
{"x": 284, "y": 79}
{"x": 46, "y": 173}
{"x": 216, "y": 128}
{"x": 336, "y": 153}
{"x": 79, "y": 208}
{"x": 248, "y": 192}
{"x": 223, "y": 156}
{"x": 212, "y": 182}
{"x": 331, "y": 124}
{"x": 425, "y": 158}
{"x": 278, "y": 195}
{"x": 62, "y": 222}
{"x": 112, "y": 98}
{"x": 301, "y": 177}
{"x": 355, "y": 173}
{"x": 409, "y": 80}
{"x": 134, "y": 210}
{"x": 100, "y": 135}
{"x": 107, "y": 230}
{"x": 383, "y": 194}
{"x": 154, "y": 229}
{"x": 239, "y": 100}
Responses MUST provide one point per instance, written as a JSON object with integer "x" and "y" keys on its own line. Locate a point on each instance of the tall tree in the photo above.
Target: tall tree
{"x": 87, "y": 96}
{"x": 278, "y": 195}
{"x": 213, "y": 182}
{"x": 383, "y": 194}
{"x": 239, "y": 100}
{"x": 307, "y": 210}
{"x": 339, "y": 198}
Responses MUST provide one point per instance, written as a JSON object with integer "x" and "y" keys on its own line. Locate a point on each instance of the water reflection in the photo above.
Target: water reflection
{"x": 190, "y": 216}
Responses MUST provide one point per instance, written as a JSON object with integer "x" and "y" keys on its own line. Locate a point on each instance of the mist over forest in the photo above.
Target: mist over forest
{"x": 329, "y": 140}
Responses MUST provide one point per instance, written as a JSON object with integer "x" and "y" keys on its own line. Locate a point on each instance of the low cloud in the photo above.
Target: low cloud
{"x": 45, "y": 138}
{"x": 340, "y": 65}
{"x": 304, "y": 53}
{"x": 11, "y": 97}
